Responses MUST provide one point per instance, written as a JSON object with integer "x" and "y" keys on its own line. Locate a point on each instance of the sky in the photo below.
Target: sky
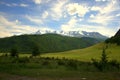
{"x": 28, "y": 16}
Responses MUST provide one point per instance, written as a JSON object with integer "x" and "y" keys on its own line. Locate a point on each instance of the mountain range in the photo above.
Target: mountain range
{"x": 78, "y": 34}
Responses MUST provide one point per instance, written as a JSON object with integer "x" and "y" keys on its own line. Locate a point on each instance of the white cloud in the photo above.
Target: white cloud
{"x": 5, "y": 22}
{"x": 16, "y": 21}
{"x": 4, "y": 32}
{"x": 101, "y": 19}
{"x": 100, "y": 0}
{"x": 101, "y": 29}
{"x": 75, "y": 8}
{"x": 23, "y": 5}
{"x": 9, "y": 28}
{"x": 96, "y": 8}
{"x": 45, "y": 15}
{"x": 104, "y": 16}
{"x": 92, "y": 16}
{"x": 89, "y": 28}
{"x": 34, "y": 20}
{"x": 58, "y": 8}
{"x": 69, "y": 25}
{"x": 37, "y": 1}
{"x": 110, "y": 7}
{"x": 14, "y": 4}
{"x": 74, "y": 25}
{"x": 117, "y": 15}
{"x": 45, "y": 28}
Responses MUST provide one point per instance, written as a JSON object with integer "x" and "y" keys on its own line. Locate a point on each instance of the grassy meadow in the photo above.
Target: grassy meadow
{"x": 112, "y": 51}
{"x": 69, "y": 65}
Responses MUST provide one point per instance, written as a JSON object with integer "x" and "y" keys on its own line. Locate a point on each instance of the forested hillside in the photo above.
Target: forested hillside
{"x": 46, "y": 43}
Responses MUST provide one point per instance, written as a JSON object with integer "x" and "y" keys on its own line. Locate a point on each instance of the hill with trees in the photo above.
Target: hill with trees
{"x": 46, "y": 43}
{"x": 115, "y": 39}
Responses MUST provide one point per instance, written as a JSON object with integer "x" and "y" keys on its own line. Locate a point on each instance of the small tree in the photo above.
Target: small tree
{"x": 102, "y": 64}
{"x": 35, "y": 51}
{"x": 104, "y": 57}
{"x": 14, "y": 52}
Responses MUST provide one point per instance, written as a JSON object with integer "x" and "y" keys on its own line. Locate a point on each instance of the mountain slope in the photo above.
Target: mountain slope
{"x": 87, "y": 54}
{"x": 46, "y": 43}
{"x": 115, "y": 39}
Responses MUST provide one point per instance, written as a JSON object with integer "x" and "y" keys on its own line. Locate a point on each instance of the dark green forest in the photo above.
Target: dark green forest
{"x": 46, "y": 43}
{"x": 114, "y": 39}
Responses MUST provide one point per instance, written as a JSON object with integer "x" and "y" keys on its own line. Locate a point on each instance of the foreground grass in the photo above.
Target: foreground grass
{"x": 79, "y": 76}
{"x": 91, "y": 52}
{"x": 82, "y": 76}
{"x": 25, "y": 68}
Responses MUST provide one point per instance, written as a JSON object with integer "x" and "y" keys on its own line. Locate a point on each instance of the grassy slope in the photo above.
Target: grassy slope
{"x": 86, "y": 54}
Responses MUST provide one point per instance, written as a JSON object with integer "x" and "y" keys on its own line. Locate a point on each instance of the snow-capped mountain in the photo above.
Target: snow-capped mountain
{"x": 73, "y": 33}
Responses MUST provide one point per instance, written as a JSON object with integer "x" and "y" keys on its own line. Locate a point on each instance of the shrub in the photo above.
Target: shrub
{"x": 23, "y": 60}
{"x": 61, "y": 62}
{"x": 115, "y": 63}
{"x": 73, "y": 64}
{"x": 14, "y": 52}
{"x": 45, "y": 62}
{"x": 35, "y": 51}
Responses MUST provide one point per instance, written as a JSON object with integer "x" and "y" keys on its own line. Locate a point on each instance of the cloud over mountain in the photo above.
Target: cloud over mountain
{"x": 97, "y": 15}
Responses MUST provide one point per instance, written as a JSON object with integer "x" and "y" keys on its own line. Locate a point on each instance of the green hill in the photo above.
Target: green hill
{"x": 115, "y": 39}
{"x": 46, "y": 43}
{"x": 113, "y": 52}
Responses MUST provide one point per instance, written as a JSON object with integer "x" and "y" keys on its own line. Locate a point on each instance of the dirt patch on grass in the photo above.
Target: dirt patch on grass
{"x": 102, "y": 76}
{"x": 5, "y": 76}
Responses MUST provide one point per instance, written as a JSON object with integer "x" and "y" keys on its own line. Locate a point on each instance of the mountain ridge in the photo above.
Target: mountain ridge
{"x": 78, "y": 34}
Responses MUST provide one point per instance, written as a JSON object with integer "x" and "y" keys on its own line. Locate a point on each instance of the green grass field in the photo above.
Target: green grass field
{"x": 25, "y": 68}
{"x": 113, "y": 52}
{"x": 38, "y": 69}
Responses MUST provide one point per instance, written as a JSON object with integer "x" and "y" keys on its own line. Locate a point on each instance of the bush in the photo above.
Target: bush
{"x": 35, "y": 51}
{"x": 61, "y": 62}
{"x": 21, "y": 60}
{"x": 14, "y": 52}
{"x": 45, "y": 62}
{"x": 115, "y": 63}
{"x": 73, "y": 64}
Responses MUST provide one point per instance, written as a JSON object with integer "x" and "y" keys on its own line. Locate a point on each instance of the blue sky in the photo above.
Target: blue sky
{"x": 28, "y": 16}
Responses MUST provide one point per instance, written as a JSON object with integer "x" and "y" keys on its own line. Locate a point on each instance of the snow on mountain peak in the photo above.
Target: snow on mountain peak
{"x": 72, "y": 33}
